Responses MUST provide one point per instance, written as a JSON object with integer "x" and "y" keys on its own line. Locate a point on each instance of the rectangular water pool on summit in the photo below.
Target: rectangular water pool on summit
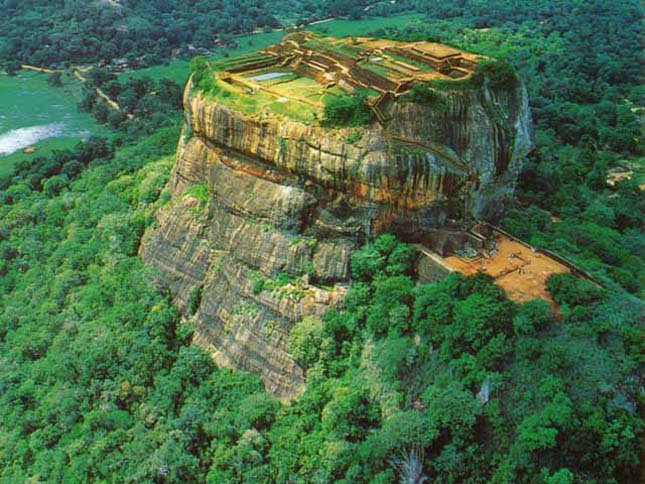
{"x": 268, "y": 76}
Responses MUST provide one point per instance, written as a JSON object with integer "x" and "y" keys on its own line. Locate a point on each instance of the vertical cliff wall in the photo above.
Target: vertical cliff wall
{"x": 265, "y": 211}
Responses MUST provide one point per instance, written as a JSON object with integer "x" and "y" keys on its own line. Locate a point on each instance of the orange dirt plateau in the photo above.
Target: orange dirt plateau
{"x": 517, "y": 269}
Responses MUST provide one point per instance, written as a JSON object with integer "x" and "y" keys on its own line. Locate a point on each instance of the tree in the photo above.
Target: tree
{"x": 88, "y": 101}
{"x": 305, "y": 340}
{"x": 568, "y": 289}
{"x": 350, "y": 413}
{"x": 390, "y": 310}
{"x": 55, "y": 185}
{"x": 347, "y": 111}
{"x": 55, "y": 79}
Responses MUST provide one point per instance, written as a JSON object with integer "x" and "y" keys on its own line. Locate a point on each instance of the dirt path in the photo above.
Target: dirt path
{"x": 113, "y": 104}
{"x": 315, "y": 22}
{"x": 39, "y": 69}
{"x": 100, "y": 93}
{"x": 322, "y": 21}
{"x": 78, "y": 76}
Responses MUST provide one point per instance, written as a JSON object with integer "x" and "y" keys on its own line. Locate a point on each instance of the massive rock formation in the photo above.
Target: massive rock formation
{"x": 288, "y": 201}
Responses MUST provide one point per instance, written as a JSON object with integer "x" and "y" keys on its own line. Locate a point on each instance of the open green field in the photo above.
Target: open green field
{"x": 356, "y": 28}
{"x": 36, "y": 114}
{"x": 175, "y": 70}
{"x": 263, "y": 102}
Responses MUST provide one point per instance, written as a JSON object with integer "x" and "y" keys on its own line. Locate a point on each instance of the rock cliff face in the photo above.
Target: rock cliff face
{"x": 288, "y": 202}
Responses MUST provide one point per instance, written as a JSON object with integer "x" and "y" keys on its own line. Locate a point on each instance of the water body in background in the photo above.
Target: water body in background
{"x": 20, "y": 138}
{"x": 32, "y": 112}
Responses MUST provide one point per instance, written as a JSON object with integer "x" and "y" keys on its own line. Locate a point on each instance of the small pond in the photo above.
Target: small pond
{"x": 268, "y": 76}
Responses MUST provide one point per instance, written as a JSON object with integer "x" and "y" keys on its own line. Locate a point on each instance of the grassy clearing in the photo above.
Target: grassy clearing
{"x": 291, "y": 98}
{"x": 344, "y": 28}
{"x": 175, "y": 70}
{"x": 301, "y": 87}
{"x": 378, "y": 69}
{"x": 235, "y": 98}
{"x": 261, "y": 103}
{"x": 27, "y": 100}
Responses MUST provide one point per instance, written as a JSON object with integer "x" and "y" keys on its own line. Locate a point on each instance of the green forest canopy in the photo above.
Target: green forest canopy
{"x": 146, "y": 32}
{"x": 99, "y": 380}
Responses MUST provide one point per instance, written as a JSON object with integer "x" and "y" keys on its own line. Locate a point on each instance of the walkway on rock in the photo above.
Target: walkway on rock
{"x": 456, "y": 163}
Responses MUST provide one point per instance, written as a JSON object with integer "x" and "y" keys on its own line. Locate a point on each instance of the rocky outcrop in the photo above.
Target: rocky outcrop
{"x": 288, "y": 202}
{"x": 407, "y": 170}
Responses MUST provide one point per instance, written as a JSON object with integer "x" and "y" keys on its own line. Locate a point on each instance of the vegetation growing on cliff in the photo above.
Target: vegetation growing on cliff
{"x": 347, "y": 110}
{"x": 203, "y": 76}
{"x": 423, "y": 94}
{"x": 499, "y": 73}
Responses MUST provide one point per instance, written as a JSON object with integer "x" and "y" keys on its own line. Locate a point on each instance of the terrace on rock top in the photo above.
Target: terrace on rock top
{"x": 296, "y": 76}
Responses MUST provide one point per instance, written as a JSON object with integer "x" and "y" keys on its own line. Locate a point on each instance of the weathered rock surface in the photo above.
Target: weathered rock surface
{"x": 288, "y": 202}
